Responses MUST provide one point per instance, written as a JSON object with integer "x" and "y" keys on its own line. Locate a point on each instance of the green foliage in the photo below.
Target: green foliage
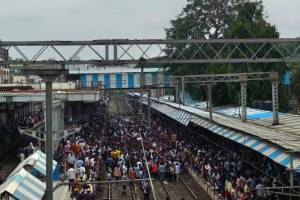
{"x": 223, "y": 19}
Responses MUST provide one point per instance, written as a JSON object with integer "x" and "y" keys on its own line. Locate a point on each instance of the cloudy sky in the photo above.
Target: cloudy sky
{"x": 99, "y": 19}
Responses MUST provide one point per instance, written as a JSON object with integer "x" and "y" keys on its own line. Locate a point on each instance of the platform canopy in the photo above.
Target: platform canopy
{"x": 249, "y": 135}
{"x": 23, "y": 185}
{"x": 37, "y": 161}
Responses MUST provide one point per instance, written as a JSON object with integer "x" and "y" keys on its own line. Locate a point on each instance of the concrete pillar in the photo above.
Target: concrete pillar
{"x": 49, "y": 142}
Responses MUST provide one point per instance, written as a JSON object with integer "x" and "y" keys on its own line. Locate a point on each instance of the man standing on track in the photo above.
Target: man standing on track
{"x": 71, "y": 177}
{"x": 146, "y": 190}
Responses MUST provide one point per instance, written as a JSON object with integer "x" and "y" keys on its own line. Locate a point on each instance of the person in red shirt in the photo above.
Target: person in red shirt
{"x": 154, "y": 169}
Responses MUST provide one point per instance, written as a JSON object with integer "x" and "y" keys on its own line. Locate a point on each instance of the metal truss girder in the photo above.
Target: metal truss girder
{"x": 266, "y": 50}
{"x": 220, "y": 78}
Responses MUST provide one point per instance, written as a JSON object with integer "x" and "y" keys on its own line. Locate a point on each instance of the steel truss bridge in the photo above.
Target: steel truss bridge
{"x": 155, "y": 51}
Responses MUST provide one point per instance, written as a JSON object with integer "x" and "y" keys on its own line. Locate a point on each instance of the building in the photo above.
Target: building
{"x": 116, "y": 77}
{"x": 4, "y": 71}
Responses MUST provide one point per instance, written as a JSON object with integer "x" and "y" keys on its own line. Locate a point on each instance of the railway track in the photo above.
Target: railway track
{"x": 118, "y": 106}
{"x": 185, "y": 188}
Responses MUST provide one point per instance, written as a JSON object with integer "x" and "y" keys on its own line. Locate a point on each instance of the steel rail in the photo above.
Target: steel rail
{"x": 188, "y": 188}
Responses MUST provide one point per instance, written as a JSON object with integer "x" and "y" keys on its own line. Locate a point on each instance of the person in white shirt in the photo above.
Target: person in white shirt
{"x": 92, "y": 162}
{"x": 71, "y": 177}
{"x": 177, "y": 169}
{"x": 22, "y": 156}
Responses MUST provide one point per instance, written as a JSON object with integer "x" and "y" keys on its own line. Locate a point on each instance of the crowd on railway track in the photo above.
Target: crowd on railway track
{"x": 169, "y": 149}
{"x": 82, "y": 154}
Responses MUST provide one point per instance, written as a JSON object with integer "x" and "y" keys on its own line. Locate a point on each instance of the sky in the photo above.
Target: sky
{"x": 108, "y": 19}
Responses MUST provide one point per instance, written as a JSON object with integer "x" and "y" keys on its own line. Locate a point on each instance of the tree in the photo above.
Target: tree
{"x": 200, "y": 19}
{"x": 224, "y": 19}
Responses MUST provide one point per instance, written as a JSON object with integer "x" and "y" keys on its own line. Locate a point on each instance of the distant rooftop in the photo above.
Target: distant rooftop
{"x": 91, "y": 69}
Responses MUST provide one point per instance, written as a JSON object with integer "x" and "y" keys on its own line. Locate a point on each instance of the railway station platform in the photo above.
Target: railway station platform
{"x": 280, "y": 143}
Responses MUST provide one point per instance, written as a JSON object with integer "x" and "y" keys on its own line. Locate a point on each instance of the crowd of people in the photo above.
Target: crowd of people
{"x": 235, "y": 172}
{"x": 82, "y": 154}
{"x": 30, "y": 119}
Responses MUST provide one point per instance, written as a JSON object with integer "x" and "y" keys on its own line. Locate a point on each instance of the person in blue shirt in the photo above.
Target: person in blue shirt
{"x": 79, "y": 163}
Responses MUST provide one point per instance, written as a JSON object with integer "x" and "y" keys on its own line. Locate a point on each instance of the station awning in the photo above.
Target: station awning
{"x": 37, "y": 161}
{"x": 185, "y": 115}
{"x": 181, "y": 116}
{"x": 23, "y": 185}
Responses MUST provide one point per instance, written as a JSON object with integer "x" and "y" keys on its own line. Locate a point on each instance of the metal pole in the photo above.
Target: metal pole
{"x": 149, "y": 108}
{"x": 177, "y": 93}
{"x": 115, "y": 52}
{"x": 243, "y": 82}
{"x": 183, "y": 90}
{"x": 106, "y": 52}
{"x": 209, "y": 88}
{"x": 141, "y": 84}
{"x": 291, "y": 171}
{"x": 49, "y": 156}
{"x": 274, "y": 78}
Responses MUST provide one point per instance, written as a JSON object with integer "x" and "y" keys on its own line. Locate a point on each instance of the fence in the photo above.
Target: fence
{"x": 208, "y": 192}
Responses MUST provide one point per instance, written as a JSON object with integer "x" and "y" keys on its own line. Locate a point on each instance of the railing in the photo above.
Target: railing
{"x": 204, "y": 185}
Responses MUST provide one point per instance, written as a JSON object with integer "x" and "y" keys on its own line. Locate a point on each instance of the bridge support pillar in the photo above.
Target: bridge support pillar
{"x": 209, "y": 94}
{"x": 47, "y": 73}
{"x": 275, "y": 81}
{"x": 243, "y": 82}
{"x": 49, "y": 141}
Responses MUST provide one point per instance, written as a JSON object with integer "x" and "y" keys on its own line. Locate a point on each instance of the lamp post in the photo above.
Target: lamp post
{"x": 48, "y": 73}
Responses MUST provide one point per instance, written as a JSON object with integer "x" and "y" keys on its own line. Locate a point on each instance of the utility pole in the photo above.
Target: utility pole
{"x": 183, "y": 90}
{"x": 142, "y": 63}
{"x": 48, "y": 73}
{"x": 209, "y": 93}
{"x": 149, "y": 107}
{"x": 243, "y": 83}
{"x": 275, "y": 80}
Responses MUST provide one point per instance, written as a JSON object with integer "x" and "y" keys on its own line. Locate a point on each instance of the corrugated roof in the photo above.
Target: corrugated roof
{"x": 271, "y": 141}
{"x": 23, "y": 185}
{"x": 37, "y": 160}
